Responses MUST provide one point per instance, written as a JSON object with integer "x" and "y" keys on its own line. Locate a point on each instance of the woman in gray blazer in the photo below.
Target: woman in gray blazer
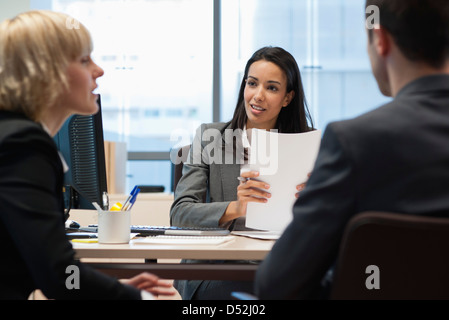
{"x": 209, "y": 193}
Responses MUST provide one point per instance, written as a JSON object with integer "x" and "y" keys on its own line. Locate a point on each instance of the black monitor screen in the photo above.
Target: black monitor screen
{"x": 81, "y": 143}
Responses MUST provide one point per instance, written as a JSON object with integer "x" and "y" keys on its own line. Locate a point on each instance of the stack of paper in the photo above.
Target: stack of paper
{"x": 283, "y": 161}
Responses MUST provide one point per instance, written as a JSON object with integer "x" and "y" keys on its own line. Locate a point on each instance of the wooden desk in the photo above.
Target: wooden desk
{"x": 241, "y": 248}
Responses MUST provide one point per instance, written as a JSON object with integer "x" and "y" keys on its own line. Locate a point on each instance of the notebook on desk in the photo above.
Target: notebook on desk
{"x": 184, "y": 240}
{"x": 168, "y": 230}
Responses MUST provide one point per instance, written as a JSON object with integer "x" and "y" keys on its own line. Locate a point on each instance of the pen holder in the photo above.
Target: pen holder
{"x": 114, "y": 226}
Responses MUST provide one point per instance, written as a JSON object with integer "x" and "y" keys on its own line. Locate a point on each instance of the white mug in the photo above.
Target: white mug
{"x": 114, "y": 226}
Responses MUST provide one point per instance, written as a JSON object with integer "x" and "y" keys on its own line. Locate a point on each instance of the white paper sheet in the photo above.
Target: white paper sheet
{"x": 284, "y": 161}
{"x": 261, "y": 234}
{"x": 184, "y": 240}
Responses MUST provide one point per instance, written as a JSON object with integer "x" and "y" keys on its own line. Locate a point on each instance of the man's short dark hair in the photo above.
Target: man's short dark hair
{"x": 420, "y": 28}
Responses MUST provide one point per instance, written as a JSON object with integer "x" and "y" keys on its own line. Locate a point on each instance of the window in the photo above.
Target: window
{"x": 327, "y": 39}
{"x": 158, "y": 58}
{"x": 171, "y": 65}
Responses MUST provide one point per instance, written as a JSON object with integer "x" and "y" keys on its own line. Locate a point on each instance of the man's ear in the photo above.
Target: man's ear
{"x": 382, "y": 40}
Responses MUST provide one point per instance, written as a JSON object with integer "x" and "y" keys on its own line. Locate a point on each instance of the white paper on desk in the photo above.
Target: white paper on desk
{"x": 184, "y": 240}
{"x": 283, "y": 160}
{"x": 260, "y": 234}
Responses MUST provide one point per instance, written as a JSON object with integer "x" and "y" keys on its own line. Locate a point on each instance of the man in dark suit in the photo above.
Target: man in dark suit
{"x": 394, "y": 159}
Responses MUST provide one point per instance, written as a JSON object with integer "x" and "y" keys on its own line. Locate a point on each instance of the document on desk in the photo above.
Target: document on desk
{"x": 283, "y": 161}
{"x": 259, "y": 234}
{"x": 184, "y": 240}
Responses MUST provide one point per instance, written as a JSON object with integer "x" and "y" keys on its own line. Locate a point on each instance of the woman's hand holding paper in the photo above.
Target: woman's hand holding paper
{"x": 249, "y": 190}
{"x": 301, "y": 187}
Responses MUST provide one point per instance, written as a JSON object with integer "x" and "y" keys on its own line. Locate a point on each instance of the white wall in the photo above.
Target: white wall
{"x": 150, "y": 209}
{"x": 9, "y": 9}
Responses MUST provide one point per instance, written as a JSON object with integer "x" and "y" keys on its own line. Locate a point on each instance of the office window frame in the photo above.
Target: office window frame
{"x": 310, "y": 69}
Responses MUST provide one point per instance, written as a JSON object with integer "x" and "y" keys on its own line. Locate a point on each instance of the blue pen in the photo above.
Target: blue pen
{"x": 133, "y": 199}
{"x": 129, "y": 198}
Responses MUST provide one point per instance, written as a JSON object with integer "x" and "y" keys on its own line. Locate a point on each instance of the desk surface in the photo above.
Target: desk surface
{"x": 240, "y": 248}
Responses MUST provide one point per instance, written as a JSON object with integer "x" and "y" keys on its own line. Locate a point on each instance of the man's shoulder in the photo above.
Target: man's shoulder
{"x": 368, "y": 129}
{"x": 377, "y": 118}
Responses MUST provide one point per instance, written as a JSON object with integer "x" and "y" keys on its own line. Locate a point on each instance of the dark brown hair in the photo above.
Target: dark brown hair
{"x": 295, "y": 117}
{"x": 420, "y": 28}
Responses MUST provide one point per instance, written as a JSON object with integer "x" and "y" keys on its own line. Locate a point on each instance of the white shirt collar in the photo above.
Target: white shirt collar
{"x": 45, "y": 128}
{"x": 245, "y": 140}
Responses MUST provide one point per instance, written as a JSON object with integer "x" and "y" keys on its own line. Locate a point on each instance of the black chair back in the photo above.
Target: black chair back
{"x": 178, "y": 157}
{"x": 393, "y": 256}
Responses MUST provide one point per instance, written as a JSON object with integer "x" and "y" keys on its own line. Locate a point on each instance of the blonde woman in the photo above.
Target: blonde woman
{"x": 46, "y": 75}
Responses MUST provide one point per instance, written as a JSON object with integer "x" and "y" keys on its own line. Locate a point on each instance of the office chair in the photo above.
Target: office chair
{"x": 406, "y": 256}
{"x": 178, "y": 157}
{"x": 391, "y": 256}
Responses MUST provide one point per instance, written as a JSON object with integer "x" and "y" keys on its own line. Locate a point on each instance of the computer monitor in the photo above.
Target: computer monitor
{"x": 81, "y": 143}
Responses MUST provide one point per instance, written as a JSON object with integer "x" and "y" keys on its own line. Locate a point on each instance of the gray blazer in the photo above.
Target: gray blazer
{"x": 211, "y": 172}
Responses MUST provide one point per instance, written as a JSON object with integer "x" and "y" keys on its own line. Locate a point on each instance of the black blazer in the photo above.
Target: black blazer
{"x": 35, "y": 250}
{"x": 394, "y": 159}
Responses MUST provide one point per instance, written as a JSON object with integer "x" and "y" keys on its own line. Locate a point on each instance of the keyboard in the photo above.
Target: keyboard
{"x": 178, "y": 231}
{"x": 168, "y": 230}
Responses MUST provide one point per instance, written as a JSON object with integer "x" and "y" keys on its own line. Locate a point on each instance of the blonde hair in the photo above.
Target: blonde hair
{"x": 35, "y": 49}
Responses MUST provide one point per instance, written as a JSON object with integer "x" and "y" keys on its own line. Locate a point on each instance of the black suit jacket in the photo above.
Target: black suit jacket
{"x": 395, "y": 159}
{"x": 34, "y": 248}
